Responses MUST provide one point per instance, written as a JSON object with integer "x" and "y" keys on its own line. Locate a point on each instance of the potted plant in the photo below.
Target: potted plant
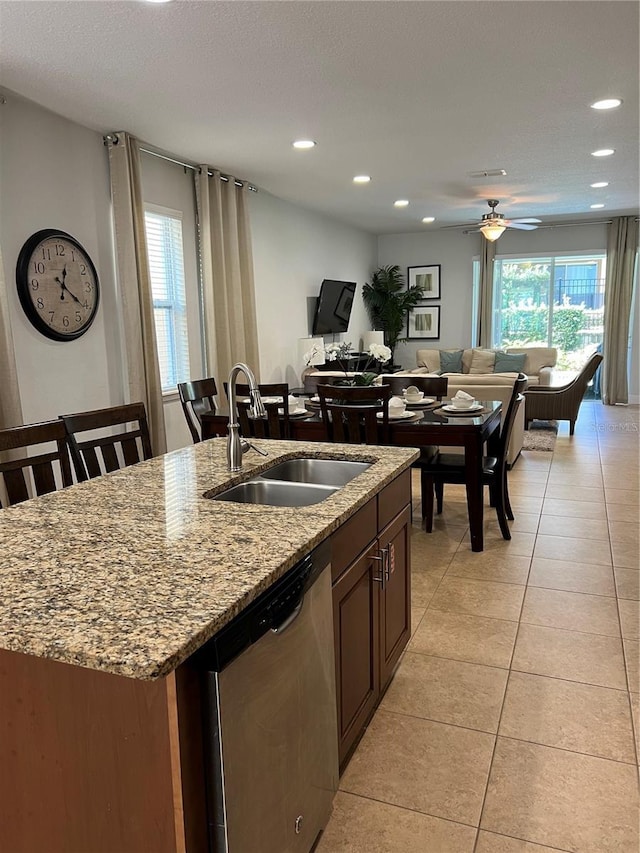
{"x": 388, "y": 303}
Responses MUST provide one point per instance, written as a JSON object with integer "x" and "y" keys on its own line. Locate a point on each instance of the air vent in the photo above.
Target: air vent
{"x": 488, "y": 173}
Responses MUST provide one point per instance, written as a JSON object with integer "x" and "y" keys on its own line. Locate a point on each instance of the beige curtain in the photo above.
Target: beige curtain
{"x": 622, "y": 247}
{"x": 10, "y": 406}
{"x": 135, "y": 283}
{"x": 485, "y": 326}
{"x": 231, "y": 329}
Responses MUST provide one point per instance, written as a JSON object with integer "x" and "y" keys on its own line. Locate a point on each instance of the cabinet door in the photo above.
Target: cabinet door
{"x": 357, "y": 641}
{"x": 395, "y": 597}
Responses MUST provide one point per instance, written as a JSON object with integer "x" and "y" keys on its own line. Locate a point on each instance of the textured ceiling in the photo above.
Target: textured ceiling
{"x": 416, "y": 94}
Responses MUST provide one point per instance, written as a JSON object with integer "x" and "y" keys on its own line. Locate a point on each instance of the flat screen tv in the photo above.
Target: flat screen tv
{"x": 333, "y": 308}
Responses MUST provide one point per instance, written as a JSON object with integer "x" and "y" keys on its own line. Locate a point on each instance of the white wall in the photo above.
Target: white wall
{"x": 293, "y": 250}
{"x": 455, "y": 252}
{"x": 54, "y": 174}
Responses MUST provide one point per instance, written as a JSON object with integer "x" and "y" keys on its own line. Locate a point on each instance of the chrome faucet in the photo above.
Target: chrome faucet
{"x": 236, "y": 446}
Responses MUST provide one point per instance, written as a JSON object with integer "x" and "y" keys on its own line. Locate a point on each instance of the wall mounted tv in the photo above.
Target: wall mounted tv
{"x": 333, "y": 308}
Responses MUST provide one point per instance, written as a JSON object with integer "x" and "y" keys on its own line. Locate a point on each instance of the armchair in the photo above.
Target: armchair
{"x": 562, "y": 403}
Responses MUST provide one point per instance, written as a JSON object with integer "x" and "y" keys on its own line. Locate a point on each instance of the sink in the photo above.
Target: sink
{"x": 326, "y": 472}
{"x": 276, "y": 493}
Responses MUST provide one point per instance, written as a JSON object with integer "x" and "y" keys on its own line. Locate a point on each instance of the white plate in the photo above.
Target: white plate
{"x": 397, "y": 417}
{"x": 458, "y": 410}
{"x": 293, "y": 412}
{"x": 426, "y": 401}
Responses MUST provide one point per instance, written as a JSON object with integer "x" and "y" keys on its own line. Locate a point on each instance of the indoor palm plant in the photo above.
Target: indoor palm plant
{"x": 389, "y": 302}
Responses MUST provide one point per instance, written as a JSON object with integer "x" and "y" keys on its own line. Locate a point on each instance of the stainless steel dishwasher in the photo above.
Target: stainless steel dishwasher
{"x": 270, "y": 717}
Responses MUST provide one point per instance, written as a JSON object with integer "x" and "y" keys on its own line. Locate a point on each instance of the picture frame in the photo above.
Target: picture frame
{"x": 423, "y": 323}
{"x": 428, "y": 277}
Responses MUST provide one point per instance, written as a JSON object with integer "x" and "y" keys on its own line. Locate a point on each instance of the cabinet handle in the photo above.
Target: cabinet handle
{"x": 384, "y": 571}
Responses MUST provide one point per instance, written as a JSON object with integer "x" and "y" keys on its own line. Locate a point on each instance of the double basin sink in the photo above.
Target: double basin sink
{"x": 296, "y": 482}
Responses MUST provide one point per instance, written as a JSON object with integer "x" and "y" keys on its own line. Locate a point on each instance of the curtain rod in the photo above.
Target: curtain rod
{"x": 113, "y": 138}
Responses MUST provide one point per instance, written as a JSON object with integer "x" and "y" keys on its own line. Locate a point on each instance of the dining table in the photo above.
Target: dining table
{"x": 422, "y": 425}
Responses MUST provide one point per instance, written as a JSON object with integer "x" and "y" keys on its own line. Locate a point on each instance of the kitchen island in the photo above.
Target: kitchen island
{"x": 107, "y": 589}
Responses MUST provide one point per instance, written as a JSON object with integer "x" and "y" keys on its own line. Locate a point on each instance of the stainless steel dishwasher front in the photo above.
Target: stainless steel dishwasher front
{"x": 270, "y": 717}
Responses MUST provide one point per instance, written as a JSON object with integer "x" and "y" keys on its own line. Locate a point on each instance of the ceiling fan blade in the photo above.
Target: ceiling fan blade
{"x": 521, "y": 226}
{"x": 527, "y": 219}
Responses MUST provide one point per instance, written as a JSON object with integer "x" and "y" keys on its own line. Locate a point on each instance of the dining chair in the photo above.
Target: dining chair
{"x": 275, "y": 397}
{"x": 197, "y": 397}
{"x": 357, "y": 414}
{"x": 450, "y": 468}
{"x": 545, "y": 403}
{"x": 431, "y": 386}
{"x": 27, "y": 476}
{"x": 110, "y": 450}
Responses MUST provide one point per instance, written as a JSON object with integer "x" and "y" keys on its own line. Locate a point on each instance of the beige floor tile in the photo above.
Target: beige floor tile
{"x": 572, "y": 509}
{"x": 626, "y": 497}
{"x": 423, "y": 587}
{"x": 575, "y": 611}
{"x": 519, "y": 487}
{"x": 416, "y": 617}
{"x": 469, "y": 638}
{"x": 632, "y": 658}
{"x": 527, "y": 474}
{"x": 585, "y": 528}
{"x": 635, "y": 713}
{"x": 628, "y": 479}
{"x": 575, "y": 478}
{"x": 573, "y": 577}
{"x": 588, "y": 658}
{"x": 571, "y": 493}
{"x": 526, "y": 503}
{"x": 490, "y": 842}
{"x": 627, "y": 583}
{"x": 520, "y": 544}
{"x": 358, "y": 825}
{"x": 478, "y": 598}
{"x": 626, "y": 555}
{"x": 418, "y": 764}
{"x": 625, "y": 531}
{"x": 562, "y": 799}
{"x": 524, "y": 522}
{"x": 590, "y": 551}
{"x": 447, "y": 691}
{"x": 564, "y": 714}
{"x": 621, "y": 512}
{"x": 629, "y": 618}
{"x": 489, "y": 566}
{"x": 439, "y": 540}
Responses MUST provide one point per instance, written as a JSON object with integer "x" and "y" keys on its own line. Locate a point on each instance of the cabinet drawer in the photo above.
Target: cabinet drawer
{"x": 393, "y": 498}
{"x": 352, "y": 538}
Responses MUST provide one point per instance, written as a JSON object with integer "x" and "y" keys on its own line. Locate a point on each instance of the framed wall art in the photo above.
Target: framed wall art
{"x": 428, "y": 278}
{"x": 424, "y": 323}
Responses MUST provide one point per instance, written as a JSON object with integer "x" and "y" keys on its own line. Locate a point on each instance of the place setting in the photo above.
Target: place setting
{"x": 462, "y": 405}
{"x": 399, "y": 411}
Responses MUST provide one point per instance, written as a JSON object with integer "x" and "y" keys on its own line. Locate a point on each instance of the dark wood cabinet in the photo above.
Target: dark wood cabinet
{"x": 371, "y": 568}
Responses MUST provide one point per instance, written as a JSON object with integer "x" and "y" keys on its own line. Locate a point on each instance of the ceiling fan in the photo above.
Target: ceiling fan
{"x": 493, "y": 224}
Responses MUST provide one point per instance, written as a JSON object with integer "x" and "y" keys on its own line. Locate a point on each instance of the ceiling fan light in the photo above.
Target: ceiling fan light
{"x": 492, "y": 231}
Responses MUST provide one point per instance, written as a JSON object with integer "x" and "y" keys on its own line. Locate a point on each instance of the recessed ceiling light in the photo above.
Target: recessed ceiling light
{"x": 596, "y": 206}
{"x": 402, "y": 202}
{"x": 428, "y": 219}
{"x": 158, "y": 1}
{"x": 603, "y": 152}
{"x": 599, "y": 184}
{"x": 361, "y": 179}
{"x": 606, "y": 104}
{"x": 304, "y": 143}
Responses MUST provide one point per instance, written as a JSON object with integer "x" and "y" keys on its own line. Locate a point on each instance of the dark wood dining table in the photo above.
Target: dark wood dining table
{"x": 426, "y": 427}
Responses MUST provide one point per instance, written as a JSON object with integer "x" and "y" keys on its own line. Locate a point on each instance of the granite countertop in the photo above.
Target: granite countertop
{"x": 130, "y": 573}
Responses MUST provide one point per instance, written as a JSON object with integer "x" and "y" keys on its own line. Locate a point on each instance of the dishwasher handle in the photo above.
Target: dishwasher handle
{"x": 291, "y": 618}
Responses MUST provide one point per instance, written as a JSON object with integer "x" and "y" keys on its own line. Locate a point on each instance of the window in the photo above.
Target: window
{"x": 166, "y": 266}
{"x": 550, "y": 301}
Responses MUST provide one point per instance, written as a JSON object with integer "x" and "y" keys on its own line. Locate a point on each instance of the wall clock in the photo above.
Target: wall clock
{"x": 57, "y": 285}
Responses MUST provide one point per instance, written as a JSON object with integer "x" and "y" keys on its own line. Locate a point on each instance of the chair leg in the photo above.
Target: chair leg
{"x": 572, "y": 426}
{"x": 439, "y": 487}
{"x": 500, "y": 510}
{"x": 427, "y": 501}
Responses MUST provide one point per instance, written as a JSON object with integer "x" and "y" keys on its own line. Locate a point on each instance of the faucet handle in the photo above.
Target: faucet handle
{"x": 257, "y": 449}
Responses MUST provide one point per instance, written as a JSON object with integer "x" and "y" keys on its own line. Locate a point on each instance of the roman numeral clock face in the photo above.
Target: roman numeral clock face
{"x": 57, "y": 285}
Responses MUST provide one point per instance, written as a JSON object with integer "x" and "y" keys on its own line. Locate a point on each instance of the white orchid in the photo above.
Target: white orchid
{"x": 379, "y": 352}
{"x": 311, "y": 356}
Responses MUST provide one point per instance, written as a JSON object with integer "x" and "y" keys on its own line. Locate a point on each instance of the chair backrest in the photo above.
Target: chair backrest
{"x": 277, "y": 423}
{"x": 95, "y": 456}
{"x": 586, "y": 374}
{"x": 517, "y": 396}
{"x": 350, "y": 414}
{"x": 195, "y": 398}
{"x": 18, "y": 472}
{"x": 431, "y": 386}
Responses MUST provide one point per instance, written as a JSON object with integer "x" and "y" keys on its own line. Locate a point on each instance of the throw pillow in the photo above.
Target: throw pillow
{"x": 482, "y": 361}
{"x": 508, "y": 362}
{"x": 451, "y": 361}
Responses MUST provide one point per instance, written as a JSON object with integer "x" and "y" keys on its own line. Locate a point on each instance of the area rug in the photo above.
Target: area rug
{"x": 541, "y": 435}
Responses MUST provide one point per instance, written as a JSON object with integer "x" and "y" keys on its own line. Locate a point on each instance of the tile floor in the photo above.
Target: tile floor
{"x": 509, "y": 724}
